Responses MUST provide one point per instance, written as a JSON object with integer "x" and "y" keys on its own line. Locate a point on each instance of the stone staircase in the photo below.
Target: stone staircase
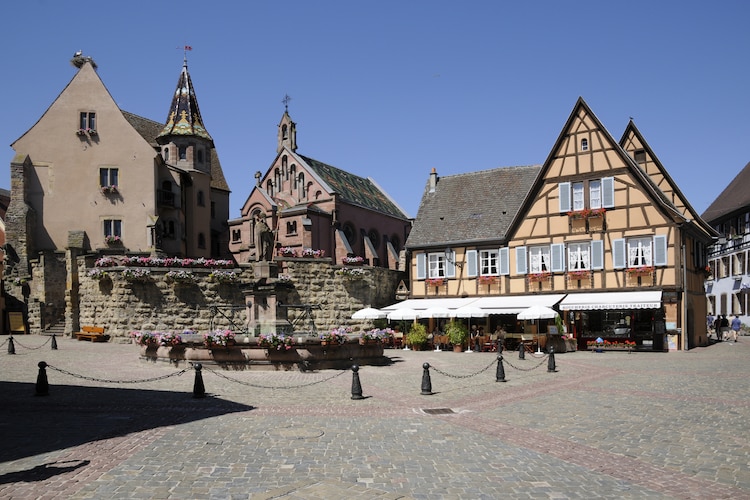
{"x": 58, "y": 329}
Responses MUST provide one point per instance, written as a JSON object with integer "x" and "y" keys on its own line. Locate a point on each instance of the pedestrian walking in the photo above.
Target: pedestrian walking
{"x": 736, "y": 325}
{"x": 710, "y": 324}
{"x": 724, "y": 327}
{"x": 717, "y": 328}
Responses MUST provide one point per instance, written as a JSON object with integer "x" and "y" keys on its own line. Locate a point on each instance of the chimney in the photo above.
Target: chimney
{"x": 433, "y": 180}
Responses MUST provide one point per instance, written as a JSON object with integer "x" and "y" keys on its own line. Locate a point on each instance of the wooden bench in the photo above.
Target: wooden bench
{"x": 92, "y": 333}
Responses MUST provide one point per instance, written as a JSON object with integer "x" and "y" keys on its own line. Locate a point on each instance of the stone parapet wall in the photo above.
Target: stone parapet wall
{"x": 160, "y": 305}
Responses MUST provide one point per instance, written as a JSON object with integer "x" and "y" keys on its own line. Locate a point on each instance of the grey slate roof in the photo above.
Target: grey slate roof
{"x": 355, "y": 189}
{"x": 736, "y": 196}
{"x": 472, "y": 207}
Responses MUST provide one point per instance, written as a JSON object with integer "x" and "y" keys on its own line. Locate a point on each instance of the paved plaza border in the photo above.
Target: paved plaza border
{"x": 609, "y": 425}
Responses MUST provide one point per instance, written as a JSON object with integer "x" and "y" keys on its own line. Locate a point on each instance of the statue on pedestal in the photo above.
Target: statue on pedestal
{"x": 264, "y": 240}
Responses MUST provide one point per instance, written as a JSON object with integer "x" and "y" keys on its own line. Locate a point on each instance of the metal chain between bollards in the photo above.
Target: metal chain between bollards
{"x": 525, "y": 369}
{"x": 464, "y": 376}
{"x": 110, "y": 381}
{"x": 32, "y": 348}
{"x": 258, "y": 386}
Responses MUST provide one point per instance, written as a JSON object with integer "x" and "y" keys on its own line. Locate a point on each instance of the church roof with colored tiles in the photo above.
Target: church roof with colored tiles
{"x": 355, "y": 189}
{"x": 184, "y": 117}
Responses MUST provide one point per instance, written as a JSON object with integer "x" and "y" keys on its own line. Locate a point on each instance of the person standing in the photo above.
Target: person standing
{"x": 717, "y": 328}
{"x": 724, "y": 327}
{"x": 736, "y": 325}
{"x": 710, "y": 324}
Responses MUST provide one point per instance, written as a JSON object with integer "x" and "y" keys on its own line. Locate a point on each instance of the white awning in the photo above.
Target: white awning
{"x": 517, "y": 303}
{"x": 423, "y": 304}
{"x": 611, "y": 300}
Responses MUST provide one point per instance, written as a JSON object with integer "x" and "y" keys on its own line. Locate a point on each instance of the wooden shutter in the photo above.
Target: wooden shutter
{"x": 660, "y": 250}
{"x": 618, "y": 254}
{"x": 504, "y": 262}
{"x": 471, "y": 258}
{"x": 563, "y": 190}
{"x": 450, "y": 265}
{"x": 421, "y": 266}
{"x": 557, "y": 252}
{"x": 608, "y": 192}
{"x": 597, "y": 254}
{"x": 521, "y": 260}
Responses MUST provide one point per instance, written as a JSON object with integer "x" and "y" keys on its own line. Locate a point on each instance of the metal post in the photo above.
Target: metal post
{"x": 42, "y": 386}
{"x": 199, "y": 391}
{"x": 54, "y": 342}
{"x": 426, "y": 382}
{"x": 551, "y": 360}
{"x": 11, "y": 345}
{"x": 500, "y": 373}
{"x": 356, "y": 386}
{"x": 521, "y": 352}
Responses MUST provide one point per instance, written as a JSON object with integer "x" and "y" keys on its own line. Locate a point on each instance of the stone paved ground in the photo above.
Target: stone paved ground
{"x": 611, "y": 425}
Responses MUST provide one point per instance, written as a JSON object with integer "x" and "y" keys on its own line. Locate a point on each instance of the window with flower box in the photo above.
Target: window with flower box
{"x": 435, "y": 265}
{"x": 109, "y": 179}
{"x": 644, "y": 251}
{"x": 591, "y": 194}
{"x": 87, "y": 122}
{"x": 112, "y": 229}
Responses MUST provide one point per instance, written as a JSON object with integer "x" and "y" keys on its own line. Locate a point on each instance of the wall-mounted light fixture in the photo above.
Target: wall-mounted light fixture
{"x": 449, "y": 258}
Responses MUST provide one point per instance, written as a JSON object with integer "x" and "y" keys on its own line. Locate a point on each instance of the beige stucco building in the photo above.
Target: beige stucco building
{"x": 600, "y": 232}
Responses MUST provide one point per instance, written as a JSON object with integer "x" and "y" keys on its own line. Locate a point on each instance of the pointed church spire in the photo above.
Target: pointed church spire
{"x": 287, "y": 129}
{"x": 184, "y": 117}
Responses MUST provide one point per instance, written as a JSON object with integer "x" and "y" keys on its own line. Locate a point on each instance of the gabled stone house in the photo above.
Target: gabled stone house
{"x": 90, "y": 177}
{"x": 315, "y": 206}
{"x": 600, "y": 231}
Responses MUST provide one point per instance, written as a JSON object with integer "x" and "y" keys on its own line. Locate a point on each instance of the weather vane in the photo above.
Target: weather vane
{"x": 185, "y": 49}
{"x": 286, "y": 100}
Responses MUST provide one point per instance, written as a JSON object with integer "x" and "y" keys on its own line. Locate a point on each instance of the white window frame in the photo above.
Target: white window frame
{"x": 540, "y": 260}
{"x": 489, "y": 263}
{"x": 579, "y": 200}
{"x": 579, "y": 256}
{"x": 595, "y": 193}
{"x": 640, "y": 252}
{"x": 436, "y": 265}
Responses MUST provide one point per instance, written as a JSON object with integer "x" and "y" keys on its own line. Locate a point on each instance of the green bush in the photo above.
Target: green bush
{"x": 417, "y": 334}
{"x": 457, "y": 332}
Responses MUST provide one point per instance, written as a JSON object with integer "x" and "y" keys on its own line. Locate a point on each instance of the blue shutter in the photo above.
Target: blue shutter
{"x": 421, "y": 266}
{"x": 597, "y": 254}
{"x": 504, "y": 262}
{"x": 471, "y": 257}
{"x": 558, "y": 257}
{"x": 660, "y": 250}
{"x": 608, "y": 192}
{"x": 618, "y": 254}
{"x": 521, "y": 260}
{"x": 563, "y": 190}
{"x": 450, "y": 266}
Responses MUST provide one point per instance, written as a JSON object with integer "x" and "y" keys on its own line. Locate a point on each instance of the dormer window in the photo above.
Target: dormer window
{"x": 199, "y": 156}
{"x": 182, "y": 151}
{"x": 584, "y": 144}
{"x": 166, "y": 154}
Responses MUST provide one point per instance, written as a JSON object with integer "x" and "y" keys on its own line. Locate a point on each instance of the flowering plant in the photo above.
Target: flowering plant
{"x": 278, "y": 341}
{"x": 170, "y": 339}
{"x": 180, "y": 276}
{"x": 378, "y": 334}
{"x": 112, "y": 238}
{"x": 435, "y": 281}
{"x": 487, "y": 279}
{"x": 219, "y": 338}
{"x": 578, "y": 273}
{"x": 105, "y": 262}
{"x": 354, "y": 261}
{"x": 351, "y": 273}
{"x": 640, "y": 270}
{"x": 544, "y": 275}
{"x": 224, "y": 276}
{"x": 608, "y": 344}
{"x": 337, "y": 335}
{"x": 81, "y": 131}
{"x": 144, "y": 338}
{"x": 287, "y": 252}
{"x": 136, "y": 274}
{"x": 309, "y": 252}
{"x": 164, "y": 262}
{"x": 98, "y": 274}
{"x": 586, "y": 213}
{"x": 109, "y": 189}
{"x": 91, "y": 131}
{"x": 285, "y": 278}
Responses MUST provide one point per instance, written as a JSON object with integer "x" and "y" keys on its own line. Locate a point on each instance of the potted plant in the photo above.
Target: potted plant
{"x": 457, "y": 334}
{"x": 417, "y": 336}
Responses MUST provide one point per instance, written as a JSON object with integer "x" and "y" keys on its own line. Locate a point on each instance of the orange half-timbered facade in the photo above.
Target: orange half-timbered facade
{"x": 600, "y": 232}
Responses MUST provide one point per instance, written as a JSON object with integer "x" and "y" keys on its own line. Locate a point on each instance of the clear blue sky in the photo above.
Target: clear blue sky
{"x": 391, "y": 89}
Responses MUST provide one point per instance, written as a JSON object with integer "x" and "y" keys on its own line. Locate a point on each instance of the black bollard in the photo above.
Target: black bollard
{"x": 426, "y": 382}
{"x": 551, "y": 360}
{"x": 199, "y": 391}
{"x": 521, "y": 352}
{"x": 500, "y": 373}
{"x": 54, "y": 342}
{"x": 11, "y": 345}
{"x": 356, "y": 386}
{"x": 42, "y": 386}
